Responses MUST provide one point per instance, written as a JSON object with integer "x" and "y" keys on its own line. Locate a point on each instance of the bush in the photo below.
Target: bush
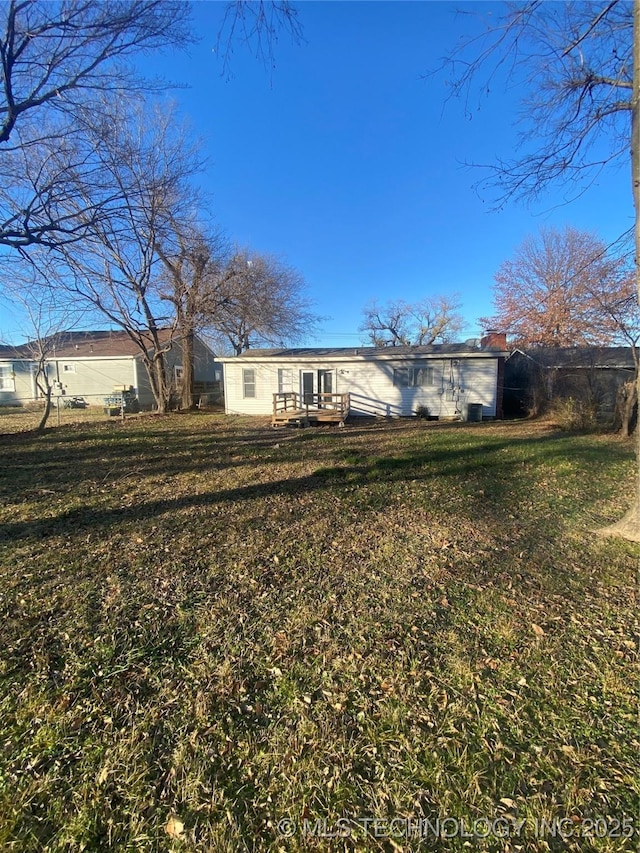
{"x": 571, "y": 414}
{"x": 423, "y": 412}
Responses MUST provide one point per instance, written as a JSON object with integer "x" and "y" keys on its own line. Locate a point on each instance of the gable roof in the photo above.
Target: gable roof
{"x": 98, "y": 344}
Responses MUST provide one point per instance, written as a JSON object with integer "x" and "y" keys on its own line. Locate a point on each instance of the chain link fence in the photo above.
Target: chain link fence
{"x": 90, "y": 408}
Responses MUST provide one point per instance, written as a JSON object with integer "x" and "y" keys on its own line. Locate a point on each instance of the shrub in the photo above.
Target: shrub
{"x": 571, "y": 414}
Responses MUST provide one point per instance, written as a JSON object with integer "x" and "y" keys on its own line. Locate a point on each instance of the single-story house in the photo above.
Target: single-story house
{"x": 93, "y": 364}
{"x": 441, "y": 380}
{"x": 536, "y": 375}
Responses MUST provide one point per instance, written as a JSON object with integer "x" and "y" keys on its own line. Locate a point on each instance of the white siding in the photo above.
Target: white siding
{"x": 456, "y": 383}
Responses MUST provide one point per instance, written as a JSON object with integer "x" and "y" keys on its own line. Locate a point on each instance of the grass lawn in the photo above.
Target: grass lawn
{"x": 217, "y": 637}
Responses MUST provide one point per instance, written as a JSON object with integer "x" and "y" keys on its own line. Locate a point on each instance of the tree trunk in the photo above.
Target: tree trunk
{"x": 156, "y": 372}
{"x": 629, "y": 525}
{"x": 186, "y": 396}
{"x": 46, "y": 412}
{"x": 160, "y": 390}
{"x": 626, "y": 418}
{"x": 43, "y": 386}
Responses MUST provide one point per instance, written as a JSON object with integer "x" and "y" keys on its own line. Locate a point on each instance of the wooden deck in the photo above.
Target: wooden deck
{"x": 290, "y": 409}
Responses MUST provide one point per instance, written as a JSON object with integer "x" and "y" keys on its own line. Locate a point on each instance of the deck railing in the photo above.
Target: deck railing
{"x": 288, "y": 405}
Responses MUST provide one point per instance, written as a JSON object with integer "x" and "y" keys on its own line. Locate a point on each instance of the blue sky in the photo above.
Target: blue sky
{"x": 347, "y": 161}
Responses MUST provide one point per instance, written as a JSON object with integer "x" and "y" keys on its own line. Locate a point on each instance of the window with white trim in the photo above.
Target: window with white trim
{"x": 248, "y": 382}
{"x": 401, "y": 377}
{"x": 421, "y": 376}
{"x": 413, "y": 377}
{"x": 285, "y": 379}
{"x": 68, "y": 368}
{"x": 7, "y": 378}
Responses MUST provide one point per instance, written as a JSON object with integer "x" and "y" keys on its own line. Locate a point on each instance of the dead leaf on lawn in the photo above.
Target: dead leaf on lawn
{"x": 537, "y": 630}
{"x": 174, "y": 827}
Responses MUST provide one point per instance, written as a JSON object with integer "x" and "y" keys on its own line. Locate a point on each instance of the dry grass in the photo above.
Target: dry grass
{"x": 208, "y": 626}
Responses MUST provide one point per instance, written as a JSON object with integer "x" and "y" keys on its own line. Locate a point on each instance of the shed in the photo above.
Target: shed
{"x": 536, "y": 375}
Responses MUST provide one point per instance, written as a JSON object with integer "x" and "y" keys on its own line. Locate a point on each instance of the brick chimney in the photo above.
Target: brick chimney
{"x": 494, "y": 340}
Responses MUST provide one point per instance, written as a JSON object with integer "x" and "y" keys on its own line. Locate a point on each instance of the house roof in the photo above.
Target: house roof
{"x": 68, "y": 345}
{"x": 581, "y": 357}
{"x": 366, "y": 353}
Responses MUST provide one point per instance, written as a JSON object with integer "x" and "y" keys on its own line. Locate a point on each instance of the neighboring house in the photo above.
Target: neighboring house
{"x": 388, "y": 382}
{"x": 93, "y": 364}
{"x": 592, "y": 374}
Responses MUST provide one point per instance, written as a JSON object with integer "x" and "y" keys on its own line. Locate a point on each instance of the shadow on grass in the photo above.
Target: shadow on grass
{"x": 478, "y": 466}
{"x": 64, "y": 459}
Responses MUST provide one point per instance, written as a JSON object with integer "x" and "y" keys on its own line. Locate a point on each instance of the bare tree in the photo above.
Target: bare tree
{"x": 193, "y": 283}
{"x": 578, "y": 67}
{"x": 573, "y": 64}
{"x": 436, "y": 318}
{"x": 47, "y": 317}
{"x": 387, "y": 325}
{"x": 264, "y": 303}
{"x": 563, "y": 288}
{"x": 41, "y": 346}
{"x": 256, "y": 24}
{"x": 145, "y": 161}
{"x": 400, "y": 323}
{"x": 58, "y": 62}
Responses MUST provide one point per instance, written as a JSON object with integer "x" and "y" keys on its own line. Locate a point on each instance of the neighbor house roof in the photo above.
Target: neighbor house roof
{"x": 580, "y": 357}
{"x": 68, "y": 345}
{"x": 390, "y": 352}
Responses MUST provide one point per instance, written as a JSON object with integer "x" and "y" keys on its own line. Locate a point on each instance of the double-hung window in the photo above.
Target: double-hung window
{"x": 248, "y": 382}
{"x": 413, "y": 377}
{"x": 285, "y": 380}
{"x": 421, "y": 376}
{"x": 7, "y": 378}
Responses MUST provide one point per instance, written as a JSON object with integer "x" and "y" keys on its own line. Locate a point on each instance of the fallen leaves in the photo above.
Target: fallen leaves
{"x": 174, "y": 827}
{"x": 318, "y": 645}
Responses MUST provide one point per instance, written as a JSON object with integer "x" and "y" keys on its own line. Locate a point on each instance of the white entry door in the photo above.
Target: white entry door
{"x": 314, "y": 382}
